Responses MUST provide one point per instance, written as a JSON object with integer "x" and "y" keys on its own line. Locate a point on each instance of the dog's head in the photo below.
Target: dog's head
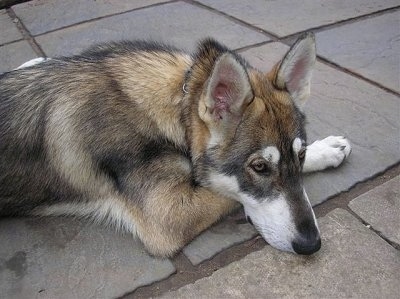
{"x": 248, "y": 140}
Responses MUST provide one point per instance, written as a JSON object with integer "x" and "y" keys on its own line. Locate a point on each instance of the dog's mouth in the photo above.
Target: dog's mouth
{"x": 282, "y": 235}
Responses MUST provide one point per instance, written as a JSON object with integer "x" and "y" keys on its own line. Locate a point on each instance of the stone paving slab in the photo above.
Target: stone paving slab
{"x": 370, "y": 47}
{"x": 9, "y": 32}
{"x": 216, "y": 239}
{"x": 179, "y": 24}
{"x": 191, "y": 23}
{"x": 14, "y": 54}
{"x": 380, "y": 207}
{"x": 285, "y": 17}
{"x": 341, "y": 104}
{"x": 65, "y": 258}
{"x": 41, "y": 16}
{"x": 353, "y": 263}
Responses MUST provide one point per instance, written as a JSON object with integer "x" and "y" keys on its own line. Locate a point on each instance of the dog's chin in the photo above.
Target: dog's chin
{"x": 271, "y": 238}
{"x": 282, "y": 245}
{"x": 289, "y": 245}
{"x": 273, "y": 222}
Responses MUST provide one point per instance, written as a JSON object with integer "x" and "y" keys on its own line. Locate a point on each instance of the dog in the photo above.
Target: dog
{"x": 162, "y": 144}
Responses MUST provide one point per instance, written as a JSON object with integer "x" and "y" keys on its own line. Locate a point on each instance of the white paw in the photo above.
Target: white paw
{"x": 326, "y": 153}
{"x": 336, "y": 147}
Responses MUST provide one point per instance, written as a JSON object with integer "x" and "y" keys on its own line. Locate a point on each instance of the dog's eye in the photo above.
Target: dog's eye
{"x": 260, "y": 166}
{"x": 302, "y": 153}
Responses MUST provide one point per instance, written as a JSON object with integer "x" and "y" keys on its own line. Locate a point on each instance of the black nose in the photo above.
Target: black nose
{"x": 308, "y": 240}
{"x": 306, "y": 246}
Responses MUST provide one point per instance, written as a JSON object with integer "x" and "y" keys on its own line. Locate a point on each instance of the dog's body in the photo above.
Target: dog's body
{"x": 162, "y": 143}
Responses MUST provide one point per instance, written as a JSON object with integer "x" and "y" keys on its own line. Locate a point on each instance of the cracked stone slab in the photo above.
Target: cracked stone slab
{"x": 14, "y": 54}
{"x": 285, "y": 17}
{"x": 41, "y": 16}
{"x": 375, "y": 55}
{"x": 9, "y": 32}
{"x": 341, "y": 104}
{"x": 217, "y": 239}
{"x": 353, "y": 262}
{"x": 380, "y": 207}
{"x": 179, "y": 24}
{"x": 67, "y": 258}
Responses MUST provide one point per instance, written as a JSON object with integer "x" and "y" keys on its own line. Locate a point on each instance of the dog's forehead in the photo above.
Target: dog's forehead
{"x": 273, "y": 109}
{"x": 273, "y": 122}
{"x": 270, "y": 124}
{"x": 278, "y": 131}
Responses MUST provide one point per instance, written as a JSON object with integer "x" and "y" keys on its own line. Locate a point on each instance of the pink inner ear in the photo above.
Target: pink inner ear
{"x": 221, "y": 97}
{"x": 296, "y": 76}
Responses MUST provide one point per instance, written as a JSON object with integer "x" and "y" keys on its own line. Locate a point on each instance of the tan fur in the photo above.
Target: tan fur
{"x": 158, "y": 80}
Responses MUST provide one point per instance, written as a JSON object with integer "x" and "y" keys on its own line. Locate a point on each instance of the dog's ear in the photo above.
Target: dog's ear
{"x": 226, "y": 95}
{"x": 294, "y": 72}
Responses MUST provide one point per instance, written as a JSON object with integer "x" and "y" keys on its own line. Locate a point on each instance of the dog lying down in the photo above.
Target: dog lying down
{"x": 162, "y": 143}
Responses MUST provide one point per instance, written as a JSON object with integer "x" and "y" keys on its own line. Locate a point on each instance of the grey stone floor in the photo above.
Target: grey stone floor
{"x": 354, "y": 262}
{"x": 355, "y": 92}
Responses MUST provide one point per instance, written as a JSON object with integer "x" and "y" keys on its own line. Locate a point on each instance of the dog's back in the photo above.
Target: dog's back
{"x": 70, "y": 126}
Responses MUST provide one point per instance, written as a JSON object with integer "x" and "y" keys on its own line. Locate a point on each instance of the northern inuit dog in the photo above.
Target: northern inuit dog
{"x": 162, "y": 143}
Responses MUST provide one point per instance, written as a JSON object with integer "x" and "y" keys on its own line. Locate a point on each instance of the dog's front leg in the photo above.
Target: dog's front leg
{"x": 174, "y": 216}
{"x": 326, "y": 153}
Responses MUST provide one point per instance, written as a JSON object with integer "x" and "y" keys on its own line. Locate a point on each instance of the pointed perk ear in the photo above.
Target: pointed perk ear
{"x": 295, "y": 70}
{"x": 228, "y": 89}
{"x": 227, "y": 93}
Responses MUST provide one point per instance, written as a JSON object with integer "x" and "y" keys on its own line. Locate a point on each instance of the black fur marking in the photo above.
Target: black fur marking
{"x": 119, "y": 166}
{"x": 208, "y": 47}
{"x": 111, "y": 166}
{"x": 151, "y": 151}
{"x": 113, "y": 49}
{"x": 209, "y": 44}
